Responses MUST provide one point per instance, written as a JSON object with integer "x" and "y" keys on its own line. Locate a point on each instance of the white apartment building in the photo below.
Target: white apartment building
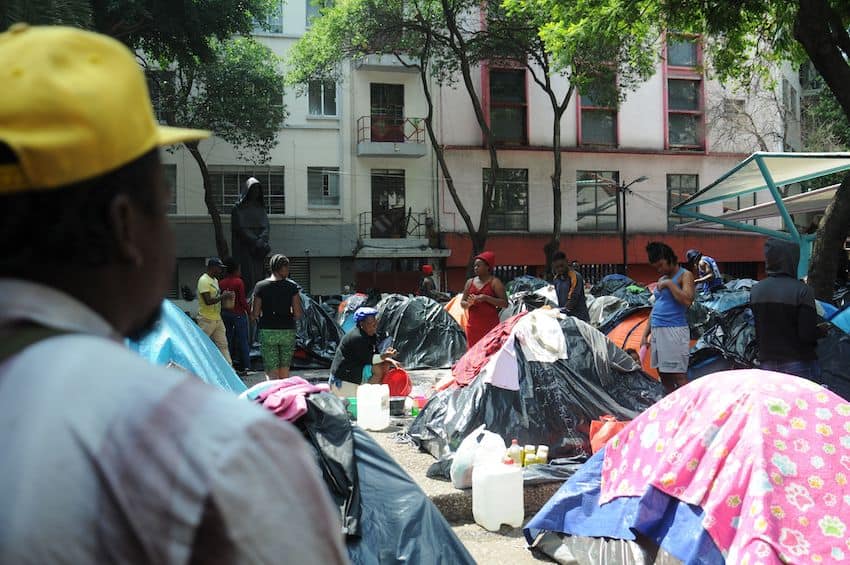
{"x": 355, "y": 195}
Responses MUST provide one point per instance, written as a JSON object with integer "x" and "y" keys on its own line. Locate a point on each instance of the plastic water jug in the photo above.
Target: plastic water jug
{"x": 373, "y": 406}
{"x": 497, "y": 496}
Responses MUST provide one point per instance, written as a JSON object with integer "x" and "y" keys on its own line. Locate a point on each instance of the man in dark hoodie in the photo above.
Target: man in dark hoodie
{"x": 785, "y": 315}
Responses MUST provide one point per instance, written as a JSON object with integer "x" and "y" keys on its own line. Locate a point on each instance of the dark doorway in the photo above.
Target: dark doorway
{"x": 387, "y": 110}
{"x": 388, "y": 212}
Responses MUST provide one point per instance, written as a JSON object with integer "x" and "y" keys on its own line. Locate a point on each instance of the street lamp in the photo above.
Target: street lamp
{"x": 623, "y": 189}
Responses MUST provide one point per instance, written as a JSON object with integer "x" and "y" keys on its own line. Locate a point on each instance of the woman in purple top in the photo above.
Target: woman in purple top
{"x": 668, "y": 323}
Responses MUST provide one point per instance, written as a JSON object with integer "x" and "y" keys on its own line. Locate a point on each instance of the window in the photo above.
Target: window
{"x": 792, "y": 108}
{"x": 509, "y": 206}
{"x": 598, "y": 122}
{"x": 170, "y": 172}
{"x": 508, "y": 106}
{"x": 314, "y": 9}
{"x": 228, "y": 182}
{"x": 273, "y": 22}
{"x": 322, "y": 97}
{"x": 323, "y": 186}
{"x": 598, "y": 208}
{"x": 684, "y": 94}
{"x": 682, "y": 52}
{"x": 679, "y": 189}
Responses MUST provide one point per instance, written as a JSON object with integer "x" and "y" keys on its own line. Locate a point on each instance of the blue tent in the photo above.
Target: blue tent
{"x": 177, "y": 340}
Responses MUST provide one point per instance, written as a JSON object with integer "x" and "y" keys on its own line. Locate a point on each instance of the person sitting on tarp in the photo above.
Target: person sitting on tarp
{"x": 569, "y": 288}
{"x": 705, "y": 269}
{"x": 361, "y": 356}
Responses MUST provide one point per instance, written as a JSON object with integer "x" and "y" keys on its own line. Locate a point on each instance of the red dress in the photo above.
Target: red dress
{"x": 482, "y": 316}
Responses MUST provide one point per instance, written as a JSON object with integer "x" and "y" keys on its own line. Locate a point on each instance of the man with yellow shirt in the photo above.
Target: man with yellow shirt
{"x": 209, "y": 305}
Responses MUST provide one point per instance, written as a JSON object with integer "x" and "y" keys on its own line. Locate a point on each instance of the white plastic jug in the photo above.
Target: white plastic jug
{"x": 497, "y": 496}
{"x": 373, "y": 406}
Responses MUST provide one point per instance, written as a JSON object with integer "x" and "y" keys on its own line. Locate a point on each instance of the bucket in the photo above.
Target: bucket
{"x": 399, "y": 382}
{"x": 373, "y": 406}
{"x": 497, "y": 496}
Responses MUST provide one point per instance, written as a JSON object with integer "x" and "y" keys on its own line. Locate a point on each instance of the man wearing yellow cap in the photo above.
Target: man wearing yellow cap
{"x": 106, "y": 458}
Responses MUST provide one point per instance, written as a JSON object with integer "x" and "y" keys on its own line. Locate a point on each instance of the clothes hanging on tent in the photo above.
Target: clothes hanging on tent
{"x": 468, "y": 367}
{"x": 287, "y": 398}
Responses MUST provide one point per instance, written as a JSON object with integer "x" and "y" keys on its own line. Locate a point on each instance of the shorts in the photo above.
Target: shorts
{"x": 276, "y": 347}
{"x": 344, "y": 389}
{"x": 670, "y": 349}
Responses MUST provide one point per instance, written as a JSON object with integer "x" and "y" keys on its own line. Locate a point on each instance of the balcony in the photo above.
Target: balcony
{"x": 386, "y": 62}
{"x": 390, "y": 136}
{"x": 397, "y": 232}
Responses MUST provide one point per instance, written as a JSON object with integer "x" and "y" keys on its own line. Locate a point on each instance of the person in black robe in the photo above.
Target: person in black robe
{"x": 249, "y": 225}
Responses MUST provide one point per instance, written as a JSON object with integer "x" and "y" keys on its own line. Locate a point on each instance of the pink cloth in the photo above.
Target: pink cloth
{"x": 766, "y": 456}
{"x": 287, "y": 398}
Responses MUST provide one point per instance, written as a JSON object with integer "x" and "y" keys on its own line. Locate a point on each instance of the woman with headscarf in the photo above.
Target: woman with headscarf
{"x": 277, "y": 306}
{"x": 482, "y": 298}
{"x": 249, "y": 225}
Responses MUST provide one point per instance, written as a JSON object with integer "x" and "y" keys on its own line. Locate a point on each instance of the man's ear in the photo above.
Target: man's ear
{"x": 125, "y": 221}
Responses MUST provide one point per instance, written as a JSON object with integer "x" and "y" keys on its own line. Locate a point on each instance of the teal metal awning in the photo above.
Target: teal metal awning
{"x": 768, "y": 172}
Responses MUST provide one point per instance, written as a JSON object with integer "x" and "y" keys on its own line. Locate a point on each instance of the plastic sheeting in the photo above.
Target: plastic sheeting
{"x": 604, "y": 308}
{"x": 524, "y": 302}
{"x": 841, "y": 319}
{"x": 317, "y": 336}
{"x": 733, "y": 337}
{"x": 345, "y": 315}
{"x": 610, "y": 283}
{"x": 739, "y": 284}
{"x": 554, "y": 405}
{"x": 723, "y": 299}
{"x": 401, "y": 524}
{"x": 834, "y": 358}
{"x": 658, "y": 518}
{"x": 422, "y": 331}
{"x": 525, "y": 283}
{"x": 176, "y": 339}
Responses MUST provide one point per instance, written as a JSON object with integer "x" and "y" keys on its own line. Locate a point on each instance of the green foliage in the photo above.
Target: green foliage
{"x": 827, "y": 111}
{"x": 238, "y": 94}
{"x": 77, "y": 13}
{"x": 170, "y": 29}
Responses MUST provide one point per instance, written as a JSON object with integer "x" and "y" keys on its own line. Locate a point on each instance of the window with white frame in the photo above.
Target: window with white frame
{"x": 509, "y": 206}
{"x": 323, "y": 186}
{"x": 679, "y": 188}
{"x": 227, "y": 183}
{"x": 685, "y": 105}
{"x": 170, "y": 173}
{"x": 321, "y": 96}
{"x": 597, "y": 202}
{"x": 273, "y": 23}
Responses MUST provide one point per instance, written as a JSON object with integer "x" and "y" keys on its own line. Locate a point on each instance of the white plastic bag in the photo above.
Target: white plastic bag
{"x": 478, "y": 448}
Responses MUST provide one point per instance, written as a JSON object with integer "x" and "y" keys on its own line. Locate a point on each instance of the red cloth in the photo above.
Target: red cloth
{"x": 481, "y": 316}
{"x": 468, "y": 367}
{"x": 234, "y": 283}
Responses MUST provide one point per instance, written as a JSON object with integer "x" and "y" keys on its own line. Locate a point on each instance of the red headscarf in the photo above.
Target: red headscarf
{"x": 427, "y": 270}
{"x": 488, "y": 257}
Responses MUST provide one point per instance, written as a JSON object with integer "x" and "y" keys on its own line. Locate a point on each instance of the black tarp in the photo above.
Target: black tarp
{"x": 389, "y": 518}
{"x": 400, "y": 523}
{"x": 422, "y": 331}
{"x": 317, "y": 336}
{"x": 611, "y": 283}
{"x": 723, "y": 299}
{"x": 525, "y": 283}
{"x": 731, "y": 344}
{"x": 525, "y": 301}
{"x": 555, "y": 404}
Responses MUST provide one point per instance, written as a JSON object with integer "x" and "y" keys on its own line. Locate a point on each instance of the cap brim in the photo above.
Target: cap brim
{"x": 172, "y": 136}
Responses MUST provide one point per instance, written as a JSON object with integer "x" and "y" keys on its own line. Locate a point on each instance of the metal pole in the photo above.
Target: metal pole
{"x": 623, "y": 190}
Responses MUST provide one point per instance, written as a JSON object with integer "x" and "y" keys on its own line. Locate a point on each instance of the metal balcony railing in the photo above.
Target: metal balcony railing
{"x": 393, "y": 223}
{"x": 394, "y": 129}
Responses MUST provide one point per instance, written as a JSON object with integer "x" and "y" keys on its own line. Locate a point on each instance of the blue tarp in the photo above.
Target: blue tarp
{"x": 841, "y": 319}
{"x": 668, "y": 522}
{"x": 178, "y": 340}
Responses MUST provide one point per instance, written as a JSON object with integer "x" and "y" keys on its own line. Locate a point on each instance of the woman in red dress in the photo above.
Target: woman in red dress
{"x": 482, "y": 297}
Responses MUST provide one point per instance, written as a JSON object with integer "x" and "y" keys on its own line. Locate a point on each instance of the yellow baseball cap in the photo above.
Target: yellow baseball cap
{"x": 74, "y": 105}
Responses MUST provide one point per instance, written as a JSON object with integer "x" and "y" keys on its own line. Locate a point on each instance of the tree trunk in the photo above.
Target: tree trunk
{"x": 829, "y": 242}
{"x": 812, "y": 29}
{"x": 221, "y": 246}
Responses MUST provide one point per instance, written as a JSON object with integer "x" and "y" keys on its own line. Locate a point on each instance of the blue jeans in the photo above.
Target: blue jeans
{"x": 805, "y": 369}
{"x": 236, "y": 326}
